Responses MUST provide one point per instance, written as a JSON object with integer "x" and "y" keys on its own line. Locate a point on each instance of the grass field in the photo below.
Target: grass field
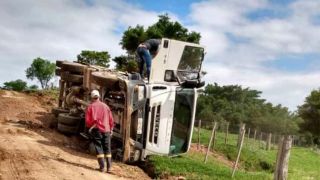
{"x": 255, "y": 162}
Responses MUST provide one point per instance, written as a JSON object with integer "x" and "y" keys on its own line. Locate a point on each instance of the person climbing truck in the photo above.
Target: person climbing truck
{"x": 99, "y": 120}
{"x": 146, "y": 51}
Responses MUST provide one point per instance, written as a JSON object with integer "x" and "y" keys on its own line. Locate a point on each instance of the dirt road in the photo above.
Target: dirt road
{"x": 29, "y": 149}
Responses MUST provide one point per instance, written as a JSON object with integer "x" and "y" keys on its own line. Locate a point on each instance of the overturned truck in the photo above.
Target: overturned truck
{"x": 154, "y": 117}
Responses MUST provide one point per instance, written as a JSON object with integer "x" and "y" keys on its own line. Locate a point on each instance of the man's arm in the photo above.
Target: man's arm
{"x": 89, "y": 119}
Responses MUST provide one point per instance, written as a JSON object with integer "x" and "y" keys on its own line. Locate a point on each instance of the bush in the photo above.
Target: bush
{"x": 17, "y": 85}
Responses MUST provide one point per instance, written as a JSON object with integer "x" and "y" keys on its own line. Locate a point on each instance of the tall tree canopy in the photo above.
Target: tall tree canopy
{"x": 164, "y": 28}
{"x": 126, "y": 63}
{"x": 42, "y": 70}
{"x": 101, "y": 58}
{"x": 310, "y": 113}
{"x": 242, "y": 105}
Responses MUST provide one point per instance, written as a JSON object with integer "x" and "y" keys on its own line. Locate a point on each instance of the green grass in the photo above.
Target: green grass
{"x": 191, "y": 166}
{"x": 304, "y": 163}
{"x": 255, "y": 162}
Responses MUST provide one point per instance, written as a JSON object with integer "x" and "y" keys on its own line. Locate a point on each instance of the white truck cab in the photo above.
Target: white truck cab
{"x": 172, "y": 97}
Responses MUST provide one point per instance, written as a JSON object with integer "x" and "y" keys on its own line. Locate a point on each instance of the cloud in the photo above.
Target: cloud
{"x": 238, "y": 45}
{"x": 61, "y": 29}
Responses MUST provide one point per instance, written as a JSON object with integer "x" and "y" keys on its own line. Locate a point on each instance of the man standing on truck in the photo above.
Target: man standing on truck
{"x": 100, "y": 123}
{"x": 146, "y": 51}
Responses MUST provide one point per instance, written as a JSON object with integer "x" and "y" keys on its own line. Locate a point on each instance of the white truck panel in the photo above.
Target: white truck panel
{"x": 163, "y": 98}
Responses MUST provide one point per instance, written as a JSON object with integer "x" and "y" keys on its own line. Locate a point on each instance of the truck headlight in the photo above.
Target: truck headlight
{"x": 140, "y": 93}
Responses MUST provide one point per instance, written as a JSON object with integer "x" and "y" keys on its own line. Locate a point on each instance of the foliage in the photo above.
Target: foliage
{"x": 164, "y": 28}
{"x": 33, "y": 87}
{"x": 42, "y": 70}
{"x": 310, "y": 113}
{"x": 17, "y": 85}
{"x": 126, "y": 63}
{"x": 192, "y": 167}
{"x": 243, "y": 105}
{"x": 132, "y": 37}
{"x": 100, "y": 58}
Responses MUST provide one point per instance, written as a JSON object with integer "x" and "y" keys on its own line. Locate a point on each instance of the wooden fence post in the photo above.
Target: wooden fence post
{"x": 243, "y": 132}
{"x": 268, "y": 144}
{"x": 254, "y": 135}
{"x": 199, "y": 127}
{"x": 260, "y": 139}
{"x": 212, "y": 134}
{"x": 214, "y": 139}
{"x": 273, "y": 139}
{"x": 248, "y": 133}
{"x": 226, "y": 134}
{"x": 240, "y": 135}
{"x": 293, "y": 141}
{"x": 281, "y": 171}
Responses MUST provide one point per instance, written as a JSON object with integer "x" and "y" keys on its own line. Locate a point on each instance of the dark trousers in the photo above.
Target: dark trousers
{"x": 102, "y": 143}
{"x": 145, "y": 57}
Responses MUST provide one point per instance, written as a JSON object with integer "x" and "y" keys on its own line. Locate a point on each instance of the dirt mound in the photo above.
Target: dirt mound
{"x": 31, "y": 150}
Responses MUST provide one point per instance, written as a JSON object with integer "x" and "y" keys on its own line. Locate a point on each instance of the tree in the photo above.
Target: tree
{"x": 42, "y": 70}
{"x": 100, "y": 58}
{"x": 132, "y": 37}
{"x": 310, "y": 113}
{"x": 33, "y": 87}
{"x": 17, "y": 85}
{"x": 126, "y": 63}
{"x": 243, "y": 105}
{"x": 164, "y": 28}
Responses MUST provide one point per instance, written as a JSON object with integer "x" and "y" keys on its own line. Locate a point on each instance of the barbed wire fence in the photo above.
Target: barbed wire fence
{"x": 220, "y": 136}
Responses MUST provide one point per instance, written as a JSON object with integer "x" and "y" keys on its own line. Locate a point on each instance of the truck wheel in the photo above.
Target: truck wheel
{"x": 58, "y": 72}
{"x": 104, "y": 78}
{"x": 75, "y": 78}
{"x": 57, "y": 110}
{"x": 73, "y": 67}
{"x": 65, "y": 118}
{"x": 65, "y": 129}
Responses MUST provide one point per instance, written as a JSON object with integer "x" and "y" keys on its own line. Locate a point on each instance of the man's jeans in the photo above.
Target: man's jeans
{"x": 145, "y": 57}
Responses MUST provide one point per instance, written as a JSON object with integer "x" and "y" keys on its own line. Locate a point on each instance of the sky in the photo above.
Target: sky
{"x": 268, "y": 45}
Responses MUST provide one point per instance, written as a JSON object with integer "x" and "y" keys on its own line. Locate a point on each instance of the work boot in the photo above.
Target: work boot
{"x": 101, "y": 164}
{"x": 109, "y": 162}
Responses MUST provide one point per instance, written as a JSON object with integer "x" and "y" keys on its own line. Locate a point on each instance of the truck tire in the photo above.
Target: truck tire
{"x": 73, "y": 67}
{"x": 65, "y": 129}
{"x": 57, "y": 110}
{"x": 74, "y": 78}
{"x": 58, "y": 72}
{"x": 104, "y": 78}
{"x": 66, "y": 119}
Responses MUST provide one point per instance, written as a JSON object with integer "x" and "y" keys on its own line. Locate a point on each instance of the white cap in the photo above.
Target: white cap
{"x": 95, "y": 94}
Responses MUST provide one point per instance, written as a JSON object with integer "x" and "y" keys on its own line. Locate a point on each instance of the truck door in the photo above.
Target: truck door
{"x": 160, "y": 116}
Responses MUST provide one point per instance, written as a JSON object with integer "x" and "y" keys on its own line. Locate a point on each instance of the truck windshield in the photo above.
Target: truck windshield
{"x": 190, "y": 63}
{"x": 182, "y": 119}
